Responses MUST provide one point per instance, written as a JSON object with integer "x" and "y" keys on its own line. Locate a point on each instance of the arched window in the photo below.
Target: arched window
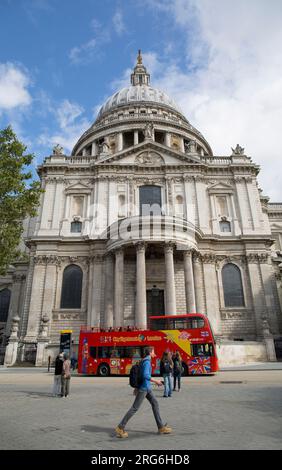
{"x": 232, "y": 286}
{"x": 150, "y": 200}
{"x": 5, "y": 296}
{"x": 71, "y": 287}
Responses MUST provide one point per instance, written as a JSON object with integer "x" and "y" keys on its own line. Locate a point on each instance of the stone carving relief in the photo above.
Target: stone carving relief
{"x": 149, "y": 158}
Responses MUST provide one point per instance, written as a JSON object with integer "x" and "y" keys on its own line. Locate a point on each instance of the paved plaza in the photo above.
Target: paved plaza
{"x": 231, "y": 410}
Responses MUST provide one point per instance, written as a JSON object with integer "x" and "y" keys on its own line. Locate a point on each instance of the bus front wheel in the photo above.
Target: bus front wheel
{"x": 103, "y": 370}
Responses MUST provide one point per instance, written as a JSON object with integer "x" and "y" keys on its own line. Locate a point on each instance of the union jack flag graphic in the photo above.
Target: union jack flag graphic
{"x": 199, "y": 365}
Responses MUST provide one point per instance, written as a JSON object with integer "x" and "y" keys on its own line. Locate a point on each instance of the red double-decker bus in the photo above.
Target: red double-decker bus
{"x": 114, "y": 351}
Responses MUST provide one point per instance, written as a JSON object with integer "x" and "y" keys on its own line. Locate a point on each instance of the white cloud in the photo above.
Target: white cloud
{"x": 118, "y": 22}
{"x": 231, "y": 89}
{"x": 14, "y": 82}
{"x": 72, "y": 124}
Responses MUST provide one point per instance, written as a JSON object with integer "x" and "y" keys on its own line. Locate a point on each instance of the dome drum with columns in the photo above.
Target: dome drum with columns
{"x": 142, "y": 219}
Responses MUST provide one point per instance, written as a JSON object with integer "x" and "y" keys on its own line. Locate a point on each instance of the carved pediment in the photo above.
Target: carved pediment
{"x": 220, "y": 187}
{"x": 150, "y": 153}
{"x": 78, "y": 187}
{"x": 149, "y": 158}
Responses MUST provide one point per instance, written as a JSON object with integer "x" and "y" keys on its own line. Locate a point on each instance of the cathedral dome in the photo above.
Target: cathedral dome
{"x": 129, "y": 109}
{"x": 137, "y": 94}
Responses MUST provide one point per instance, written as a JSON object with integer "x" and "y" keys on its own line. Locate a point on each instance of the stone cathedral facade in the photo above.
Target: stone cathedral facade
{"x": 142, "y": 219}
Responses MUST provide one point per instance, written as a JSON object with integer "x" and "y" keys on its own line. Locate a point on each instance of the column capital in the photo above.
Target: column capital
{"x": 119, "y": 251}
{"x": 140, "y": 246}
{"x": 187, "y": 254}
{"x": 169, "y": 247}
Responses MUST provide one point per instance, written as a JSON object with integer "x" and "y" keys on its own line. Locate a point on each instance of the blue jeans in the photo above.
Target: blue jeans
{"x": 176, "y": 375}
{"x": 167, "y": 385}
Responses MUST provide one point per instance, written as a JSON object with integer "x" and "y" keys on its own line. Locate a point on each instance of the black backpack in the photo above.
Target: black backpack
{"x": 135, "y": 375}
{"x": 167, "y": 367}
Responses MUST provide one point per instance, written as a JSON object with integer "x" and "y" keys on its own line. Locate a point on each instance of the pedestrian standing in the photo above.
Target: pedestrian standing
{"x": 166, "y": 368}
{"x": 58, "y": 375}
{"x": 66, "y": 376}
{"x": 144, "y": 390}
{"x": 177, "y": 370}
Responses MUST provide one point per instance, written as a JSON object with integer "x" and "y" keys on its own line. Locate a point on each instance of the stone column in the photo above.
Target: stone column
{"x": 182, "y": 149}
{"x": 95, "y": 312}
{"x": 36, "y": 299}
{"x": 170, "y": 282}
{"x": 259, "y": 303}
{"x": 141, "y": 301}
{"x": 189, "y": 282}
{"x": 199, "y": 288}
{"x": 167, "y": 139}
{"x": 109, "y": 291}
{"x": 120, "y": 142}
{"x": 119, "y": 288}
{"x": 94, "y": 149}
{"x": 136, "y": 140}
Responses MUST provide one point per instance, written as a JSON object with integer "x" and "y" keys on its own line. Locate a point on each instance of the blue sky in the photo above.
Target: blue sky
{"x": 219, "y": 61}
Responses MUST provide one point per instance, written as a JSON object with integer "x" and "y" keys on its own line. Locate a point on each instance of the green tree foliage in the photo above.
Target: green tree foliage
{"x": 18, "y": 198}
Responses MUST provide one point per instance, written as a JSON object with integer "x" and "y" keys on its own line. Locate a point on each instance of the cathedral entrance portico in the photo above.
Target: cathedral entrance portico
{"x": 144, "y": 279}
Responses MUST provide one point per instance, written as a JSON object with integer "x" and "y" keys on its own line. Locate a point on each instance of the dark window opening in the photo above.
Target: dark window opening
{"x": 141, "y": 137}
{"x": 88, "y": 150}
{"x": 72, "y": 287}
{"x": 155, "y": 302}
{"x": 150, "y": 199}
{"x": 128, "y": 139}
{"x": 5, "y": 296}
{"x": 232, "y": 286}
{"x": 76, "y": 226}
{"x": 160, "y": 137}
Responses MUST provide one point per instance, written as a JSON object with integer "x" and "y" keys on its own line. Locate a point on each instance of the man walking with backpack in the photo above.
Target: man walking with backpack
{"x": 144, "y": 390}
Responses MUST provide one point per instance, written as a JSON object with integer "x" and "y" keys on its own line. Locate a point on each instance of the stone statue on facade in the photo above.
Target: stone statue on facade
{"x": 148, "y": 131}
{"x": 191, "y": 147}
{"x": 238, "y": 150}
{"x": 58, "y": 150}
{"x": 104, "y": 149}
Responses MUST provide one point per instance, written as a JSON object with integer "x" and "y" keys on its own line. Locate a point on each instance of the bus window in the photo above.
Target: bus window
{"x": 202, "y": 349}
{"x": 131, "y": 352}
{"x": 92, "y": 351}
{"x": 159, "y": 324}
{"x": 195, "y": 322}
{"x": 103, "y": 352}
